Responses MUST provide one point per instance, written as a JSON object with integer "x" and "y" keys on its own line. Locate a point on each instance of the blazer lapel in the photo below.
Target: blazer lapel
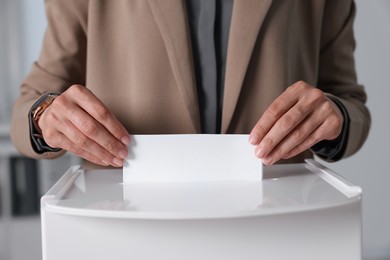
{"x": 171, "y": 18}
{"x": 247, "y": 19}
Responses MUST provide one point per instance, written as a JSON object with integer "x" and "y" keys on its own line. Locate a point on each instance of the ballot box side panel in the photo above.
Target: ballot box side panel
{"x": 324, "y": 233}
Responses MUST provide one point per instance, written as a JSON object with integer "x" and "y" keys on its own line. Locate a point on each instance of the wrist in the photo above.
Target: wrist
{"x": 37, "y": 141}
{"x": 39, "y": 107}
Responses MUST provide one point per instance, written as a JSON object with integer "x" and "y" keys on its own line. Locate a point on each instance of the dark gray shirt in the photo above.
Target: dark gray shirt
{"x": 210, "y": 23}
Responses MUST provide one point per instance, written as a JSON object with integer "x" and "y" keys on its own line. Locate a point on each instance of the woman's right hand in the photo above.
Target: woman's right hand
{"x": 77, "y": 121}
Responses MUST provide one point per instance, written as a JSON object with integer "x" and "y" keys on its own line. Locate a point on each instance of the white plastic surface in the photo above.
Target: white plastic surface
{"x": 191, "y": 158}
{"x": 300, "y": 211}
{"x": 285, "y": 189}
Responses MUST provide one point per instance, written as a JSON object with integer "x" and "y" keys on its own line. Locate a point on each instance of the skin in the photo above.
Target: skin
{"x": 299, "y": 118}
{"x": 77, "y": 121}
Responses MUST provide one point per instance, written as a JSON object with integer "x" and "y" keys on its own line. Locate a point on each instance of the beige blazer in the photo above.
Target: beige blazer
{"x": 136, "y": 56}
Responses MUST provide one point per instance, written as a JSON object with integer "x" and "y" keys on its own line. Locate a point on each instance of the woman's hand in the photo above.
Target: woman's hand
{"x": 77, "y": 121}
{"x": 299, "y": 118}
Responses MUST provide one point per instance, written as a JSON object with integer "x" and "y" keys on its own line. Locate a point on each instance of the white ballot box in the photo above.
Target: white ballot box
{"x": 298, "y": 211}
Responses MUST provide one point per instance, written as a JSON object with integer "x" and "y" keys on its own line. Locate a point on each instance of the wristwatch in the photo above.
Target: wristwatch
{"x": 37, "y": 141}
{"x": 41, "y": 106}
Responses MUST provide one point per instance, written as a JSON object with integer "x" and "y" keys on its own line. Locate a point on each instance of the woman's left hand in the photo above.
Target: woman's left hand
{"x": 298, "y": 119}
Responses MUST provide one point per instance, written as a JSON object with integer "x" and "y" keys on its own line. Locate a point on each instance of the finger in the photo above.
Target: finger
{"x": 96, "y": 132}
{"x": 281, "y": 129}
{"x": 329, "y": 129}
{"x": 294, "y": 138}
{"x": 280, "y": 106}
{"x": 64, "y": 109}
{"x": 89, "y": 145}
{"x": 311, "y": 140}
{"x": 272, "y": 114}
{"x": 93, "y": 106}
{"x": 89, "y": 127}
{"x": 309, "y": 99}
{"x": 56, "y": 139}
{"x": 66, "y": 144}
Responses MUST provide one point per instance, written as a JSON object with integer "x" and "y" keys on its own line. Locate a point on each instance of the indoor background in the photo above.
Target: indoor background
{"x": 23, "y": 181}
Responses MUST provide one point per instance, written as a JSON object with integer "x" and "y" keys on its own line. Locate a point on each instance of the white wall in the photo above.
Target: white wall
{"x": 368, "y": 168}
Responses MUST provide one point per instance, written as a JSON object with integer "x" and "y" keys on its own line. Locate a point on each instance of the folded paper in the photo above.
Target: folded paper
{"x": 191, "y": 158}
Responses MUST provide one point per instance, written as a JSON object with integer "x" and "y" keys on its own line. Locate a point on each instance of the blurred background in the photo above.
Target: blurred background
{"x": 23, "y": 180}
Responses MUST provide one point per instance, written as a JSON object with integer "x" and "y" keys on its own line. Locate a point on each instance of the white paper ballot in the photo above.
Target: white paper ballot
{"x": 191, "y": 158}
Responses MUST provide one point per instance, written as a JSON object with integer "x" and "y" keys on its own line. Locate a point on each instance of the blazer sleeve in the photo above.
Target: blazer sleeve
{"x": 62, "y": 62}
{"x": 337, "y": 74}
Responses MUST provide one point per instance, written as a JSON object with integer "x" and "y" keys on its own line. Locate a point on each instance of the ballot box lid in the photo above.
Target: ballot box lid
{"x": 284, "y": 189}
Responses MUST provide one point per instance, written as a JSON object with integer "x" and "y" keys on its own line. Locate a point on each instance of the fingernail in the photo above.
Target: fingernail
{"x": 117, "y": 162}
{"x": 259, "y": 153}
{"x": 105, "y": 163}
{"x": 126, "y": 140}
{"x": 267, "y": 161}
{"x": 122, "y": 154}
{"x": 253, "y": 139}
